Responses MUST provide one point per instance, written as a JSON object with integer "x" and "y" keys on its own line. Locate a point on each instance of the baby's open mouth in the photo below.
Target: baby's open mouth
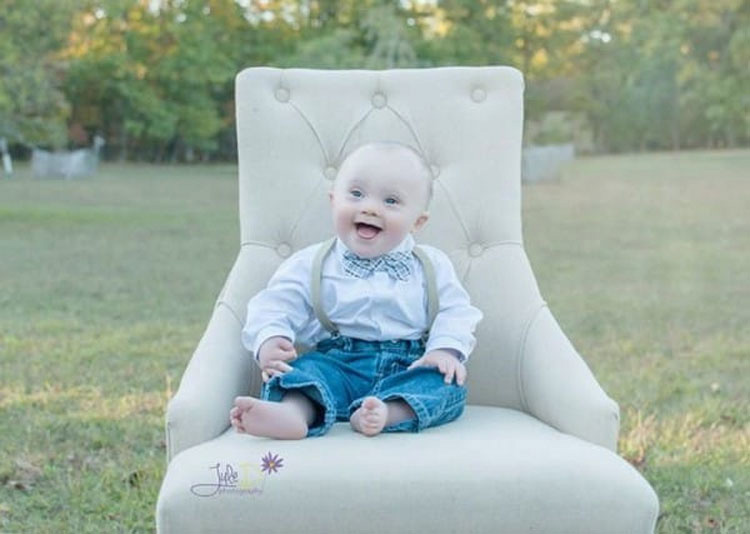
{"x": 367, "y": 231}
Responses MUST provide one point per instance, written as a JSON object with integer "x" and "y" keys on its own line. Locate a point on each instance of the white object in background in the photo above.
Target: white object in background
{"x": 7, "y": 163}
{"x": 71, "y": 164}
{"x": 545, "y": 163}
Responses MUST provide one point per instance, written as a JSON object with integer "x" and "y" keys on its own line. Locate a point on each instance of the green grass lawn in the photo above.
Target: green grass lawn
{"x": 106, "y": 285}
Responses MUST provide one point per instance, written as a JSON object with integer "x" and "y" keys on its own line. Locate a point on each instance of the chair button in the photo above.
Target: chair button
{"x": 284, "y": 250}
{"x": 379, "y": 100}
{"x": 478, "y": 94}
{"x": 282, "y": 94}
{"x": 330, "y": 172}
{"x": 435, "y": 170}
{"x": 475, "y": 249}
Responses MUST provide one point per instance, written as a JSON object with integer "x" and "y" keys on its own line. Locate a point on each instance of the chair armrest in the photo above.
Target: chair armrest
{"x": 558, "y": 387}
{"x": 220, "y": 369}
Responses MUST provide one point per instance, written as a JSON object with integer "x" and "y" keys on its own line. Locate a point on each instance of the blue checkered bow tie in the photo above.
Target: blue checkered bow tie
{"x": 396, "y": 264}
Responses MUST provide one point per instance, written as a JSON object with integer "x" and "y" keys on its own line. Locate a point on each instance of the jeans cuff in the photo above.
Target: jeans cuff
{"x": 273, "y": 391}
{"x": 423, "y": 416}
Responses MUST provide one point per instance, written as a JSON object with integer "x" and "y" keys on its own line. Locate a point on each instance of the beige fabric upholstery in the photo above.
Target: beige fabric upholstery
{"x": 535, "y": 449}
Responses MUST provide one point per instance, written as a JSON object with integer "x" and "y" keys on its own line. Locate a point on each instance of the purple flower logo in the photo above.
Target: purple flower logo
{"x": 271, "y": 463}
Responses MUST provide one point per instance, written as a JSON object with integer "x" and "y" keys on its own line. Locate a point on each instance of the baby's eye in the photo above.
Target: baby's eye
{"x": 395, "y": 201}
{"x": 356, "y": 193}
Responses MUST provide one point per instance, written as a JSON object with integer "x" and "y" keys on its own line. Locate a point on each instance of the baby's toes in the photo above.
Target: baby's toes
{"x": 235, "y": 418}
{"x": 237, "y": 424}
{"x": 370, "y": 417}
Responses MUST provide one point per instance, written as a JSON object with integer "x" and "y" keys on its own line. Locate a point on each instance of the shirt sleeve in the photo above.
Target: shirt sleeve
{"x": 456, "y": 319}
{"x": 281, "y": 309}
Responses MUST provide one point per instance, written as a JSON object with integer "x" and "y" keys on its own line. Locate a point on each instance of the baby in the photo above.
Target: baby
{"x": 377, "y": 362}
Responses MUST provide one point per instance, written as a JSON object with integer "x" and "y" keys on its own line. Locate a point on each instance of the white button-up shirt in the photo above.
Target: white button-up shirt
{"x": 377, "y": 308}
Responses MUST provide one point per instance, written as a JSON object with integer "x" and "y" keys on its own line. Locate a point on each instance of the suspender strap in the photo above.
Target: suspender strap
{"x": 432, "y": 294}
{"x": 317, "y": 272}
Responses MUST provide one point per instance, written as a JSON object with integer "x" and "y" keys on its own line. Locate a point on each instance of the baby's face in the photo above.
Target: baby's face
{"x": 378, "y": 198}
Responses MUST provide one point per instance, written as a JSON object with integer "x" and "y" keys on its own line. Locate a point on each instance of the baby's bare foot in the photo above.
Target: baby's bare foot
{"x": 280, "y": 420}
{"x": 370, "y": 417}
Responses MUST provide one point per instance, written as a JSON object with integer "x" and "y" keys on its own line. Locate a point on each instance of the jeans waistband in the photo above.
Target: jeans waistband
{"x": 353, "y": 344}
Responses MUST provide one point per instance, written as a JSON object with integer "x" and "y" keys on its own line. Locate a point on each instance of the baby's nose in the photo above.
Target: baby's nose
{"x": 370, "y": 209}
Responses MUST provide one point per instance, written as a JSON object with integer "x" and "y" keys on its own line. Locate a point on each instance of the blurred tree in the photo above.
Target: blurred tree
{"x": 715, "y": 72}
{"x": 156, "y": 76}
{"x": 665, "y": 74}
{"x": 386, "y": 35}
{"x": 341, "y": 34}
{"x": 470, "y": 32}
{"x": 33, "y": 108}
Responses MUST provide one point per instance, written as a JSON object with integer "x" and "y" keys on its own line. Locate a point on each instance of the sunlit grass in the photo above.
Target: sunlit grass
{"x": 644, "y": 261}
{"x": 106, "y": 285}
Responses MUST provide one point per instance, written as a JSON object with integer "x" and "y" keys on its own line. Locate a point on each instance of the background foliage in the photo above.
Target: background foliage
{"x": 155, "y": 77}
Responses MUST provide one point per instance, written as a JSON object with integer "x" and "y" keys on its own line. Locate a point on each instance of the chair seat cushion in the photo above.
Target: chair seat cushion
{"x": 493, "y": 470}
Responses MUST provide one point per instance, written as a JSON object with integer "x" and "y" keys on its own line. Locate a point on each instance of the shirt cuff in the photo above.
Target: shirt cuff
{"x": 270, "y": 331}
{"x": 450, "y": 344}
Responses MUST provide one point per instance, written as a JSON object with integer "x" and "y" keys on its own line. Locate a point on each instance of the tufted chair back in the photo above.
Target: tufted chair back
{"x": 296, "y": 125}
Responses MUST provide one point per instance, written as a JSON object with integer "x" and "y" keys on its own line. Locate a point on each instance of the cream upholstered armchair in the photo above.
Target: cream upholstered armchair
{"x": 534, "y": 450}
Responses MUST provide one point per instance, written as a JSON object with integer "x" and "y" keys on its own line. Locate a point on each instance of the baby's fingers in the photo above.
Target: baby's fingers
{"x": 450, "y": 371}
{"x": 283, "y": 366}
{"x": 287, "y": 355}
{"x": 461, "y": 375}
{"x": 276, "y": 367}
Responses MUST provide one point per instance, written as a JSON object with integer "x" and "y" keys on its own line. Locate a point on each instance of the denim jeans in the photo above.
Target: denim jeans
{"x": 342, "y": 371}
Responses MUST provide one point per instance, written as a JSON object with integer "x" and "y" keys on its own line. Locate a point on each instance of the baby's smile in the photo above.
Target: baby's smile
{"x": 367, "y": 231}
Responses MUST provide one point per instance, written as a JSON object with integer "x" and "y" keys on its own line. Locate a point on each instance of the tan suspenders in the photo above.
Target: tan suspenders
{"x": 317, "y": 271}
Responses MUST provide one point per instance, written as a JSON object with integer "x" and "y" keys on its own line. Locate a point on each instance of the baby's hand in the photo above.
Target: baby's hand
{"x": 446, "y": 362}
{"x": 273, "y": 355}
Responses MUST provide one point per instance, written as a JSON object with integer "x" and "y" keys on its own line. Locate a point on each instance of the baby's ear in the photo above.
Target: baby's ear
{"x": 420, "y": 222}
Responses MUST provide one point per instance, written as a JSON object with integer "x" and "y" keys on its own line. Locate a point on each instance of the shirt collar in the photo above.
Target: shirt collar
{"x": 406, "y": 245}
